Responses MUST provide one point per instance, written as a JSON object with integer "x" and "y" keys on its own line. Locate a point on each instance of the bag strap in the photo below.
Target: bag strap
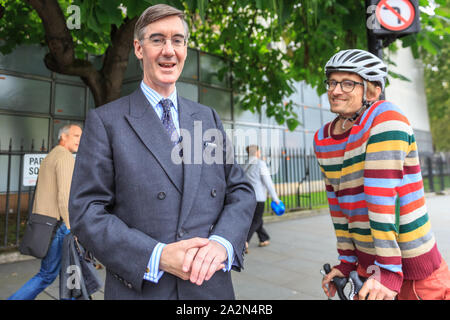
{"x": 30, "y": 207}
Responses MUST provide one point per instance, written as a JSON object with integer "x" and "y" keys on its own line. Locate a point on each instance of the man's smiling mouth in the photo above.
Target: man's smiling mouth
{"x": 167, "y": 65}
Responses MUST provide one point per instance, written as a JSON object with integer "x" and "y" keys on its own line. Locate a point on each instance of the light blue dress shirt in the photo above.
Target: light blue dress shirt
{"x": 154, "y": 273}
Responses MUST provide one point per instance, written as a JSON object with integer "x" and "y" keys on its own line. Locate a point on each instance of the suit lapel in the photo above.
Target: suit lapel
{"x": 147, "y": 125}
{"x": 192, "y": 171}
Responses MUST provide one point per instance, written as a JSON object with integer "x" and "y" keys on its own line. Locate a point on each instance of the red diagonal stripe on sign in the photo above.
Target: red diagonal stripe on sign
{"x": 384, "y": 3}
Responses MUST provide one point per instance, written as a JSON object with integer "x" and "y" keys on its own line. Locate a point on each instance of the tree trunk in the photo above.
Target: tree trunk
{"x": 105, "y": 84}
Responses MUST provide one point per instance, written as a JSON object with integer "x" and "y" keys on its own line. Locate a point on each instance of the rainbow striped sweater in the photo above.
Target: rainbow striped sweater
{"x": 371, "y": 172}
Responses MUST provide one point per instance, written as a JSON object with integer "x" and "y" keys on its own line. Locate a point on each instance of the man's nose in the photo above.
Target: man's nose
{"x": 337, "y": 89}
{"x": 168, "y": 48}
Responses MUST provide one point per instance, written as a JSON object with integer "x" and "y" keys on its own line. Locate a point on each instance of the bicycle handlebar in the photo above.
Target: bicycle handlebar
{"x": 339, "y": 282}
{"x": 355, "y": 282}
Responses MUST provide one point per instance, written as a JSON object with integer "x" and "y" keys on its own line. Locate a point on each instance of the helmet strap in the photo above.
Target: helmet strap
{"x": 365, "y": 104}
{"x": 352, "y": 118}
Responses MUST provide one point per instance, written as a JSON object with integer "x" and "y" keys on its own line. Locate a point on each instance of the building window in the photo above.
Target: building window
{"x": 187, "y": 90}
{"x": 69, "y": 100}
{"x": 23, "y": 130}
{"x": 24, "y": 95}
{"x": 27, "y": 59}
{"x": 210, "y": 67}
{"x": 218, "y": 99}
{"x": 190, "y": 69}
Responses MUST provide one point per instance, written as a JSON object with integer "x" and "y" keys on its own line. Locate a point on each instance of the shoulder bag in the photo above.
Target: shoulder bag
{"x": 39, "y": 232}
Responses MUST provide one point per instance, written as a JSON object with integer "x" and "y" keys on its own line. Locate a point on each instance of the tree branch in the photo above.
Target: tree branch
{"x": 104, "y": 84}
{"x": 57, "y": 35}
{"x": 116, "y": 58}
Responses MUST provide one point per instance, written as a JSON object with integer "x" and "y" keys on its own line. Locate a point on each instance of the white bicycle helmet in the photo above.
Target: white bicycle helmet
{"x": 367, "y": 65}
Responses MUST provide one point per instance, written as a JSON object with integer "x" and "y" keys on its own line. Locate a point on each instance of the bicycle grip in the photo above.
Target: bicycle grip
{"x": 338, "y": 281}
{"x": 340, "y": 285}
{"x": 356, "y": 283}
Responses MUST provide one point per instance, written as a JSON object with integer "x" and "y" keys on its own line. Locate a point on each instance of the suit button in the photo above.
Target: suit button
{"x": 161, "y": 195}
{"x": 181, "y": 233}
{"x": 213, "y": 193}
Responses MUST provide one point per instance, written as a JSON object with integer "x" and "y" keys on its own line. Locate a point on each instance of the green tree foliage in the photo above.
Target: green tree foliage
{"x": 437, "y": 78}
{"x": 269, "y": 43}
{"x": 253, "y": 36}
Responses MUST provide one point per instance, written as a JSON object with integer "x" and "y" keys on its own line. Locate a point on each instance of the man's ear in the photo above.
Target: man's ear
{"x": 373, "y": 94}
{"x": 138, "y": 49}
{"x": 63, "y": 139}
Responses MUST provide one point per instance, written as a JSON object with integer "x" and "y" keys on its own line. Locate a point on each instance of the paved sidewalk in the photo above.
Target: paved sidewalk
{"x": 288, "y": 269}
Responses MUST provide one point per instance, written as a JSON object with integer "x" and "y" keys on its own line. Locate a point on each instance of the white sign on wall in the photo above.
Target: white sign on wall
{"x": 31, "y": 165}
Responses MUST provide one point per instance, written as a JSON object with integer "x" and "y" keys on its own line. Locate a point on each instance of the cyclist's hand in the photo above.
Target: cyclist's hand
{"x": 328, "y": 287}
{"x": 376, "y": 291}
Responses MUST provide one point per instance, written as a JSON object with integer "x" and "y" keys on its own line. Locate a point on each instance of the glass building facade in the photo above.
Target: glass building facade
{"x": 35, "y": 102}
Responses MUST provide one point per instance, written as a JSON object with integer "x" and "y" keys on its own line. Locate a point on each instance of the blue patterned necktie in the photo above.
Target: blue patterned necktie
{"x": 167, "y": 119}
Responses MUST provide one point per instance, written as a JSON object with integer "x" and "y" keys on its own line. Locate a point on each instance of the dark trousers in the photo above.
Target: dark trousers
{"x": 257, "y": 224}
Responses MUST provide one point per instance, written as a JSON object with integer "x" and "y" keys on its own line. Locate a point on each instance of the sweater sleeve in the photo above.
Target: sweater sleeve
{"x": 389, "y": 149}
{"x": 345, "y": 247}
{"x": 267, "y": 181}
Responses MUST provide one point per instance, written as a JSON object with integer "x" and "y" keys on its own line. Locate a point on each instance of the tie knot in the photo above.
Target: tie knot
{"x": 166, "y": 104}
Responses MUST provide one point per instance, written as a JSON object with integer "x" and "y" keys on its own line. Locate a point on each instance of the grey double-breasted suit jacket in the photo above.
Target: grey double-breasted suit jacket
{"x": 128, "y": 194}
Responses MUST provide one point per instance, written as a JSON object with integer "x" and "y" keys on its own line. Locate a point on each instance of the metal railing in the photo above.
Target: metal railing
{"x": 295, "y": 173}
{"x": 297, "y": 179}
{"x": 15, "y": 199}
{"x": 435, "y": 171}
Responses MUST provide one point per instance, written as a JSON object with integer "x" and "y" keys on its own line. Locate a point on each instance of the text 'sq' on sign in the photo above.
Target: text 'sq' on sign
{"x": 395, "y": 15}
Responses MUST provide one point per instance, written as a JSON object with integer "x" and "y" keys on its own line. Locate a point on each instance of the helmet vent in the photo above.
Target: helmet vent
{"x": 350, "y": 55}
{"x": 361, "y": 59}
{"x": 371, "y": 65}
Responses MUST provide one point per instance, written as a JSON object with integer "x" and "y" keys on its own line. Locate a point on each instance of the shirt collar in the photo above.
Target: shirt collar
{"x": 154, "y": 97}
{"x": 253, "y": 159}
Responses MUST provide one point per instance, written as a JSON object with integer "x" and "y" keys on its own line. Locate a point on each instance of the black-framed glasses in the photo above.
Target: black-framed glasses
{"x": 158, "y": 41}
{"x": 346, "y": 85}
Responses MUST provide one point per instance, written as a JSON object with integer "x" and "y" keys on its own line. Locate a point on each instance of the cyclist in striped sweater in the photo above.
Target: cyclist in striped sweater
{"x": 369, "y": 159}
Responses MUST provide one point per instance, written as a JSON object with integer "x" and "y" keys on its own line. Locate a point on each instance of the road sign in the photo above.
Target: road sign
{"x": 395, "y": 15}
{"x": 31, "y": 165}
{"x": 393, "y": 18}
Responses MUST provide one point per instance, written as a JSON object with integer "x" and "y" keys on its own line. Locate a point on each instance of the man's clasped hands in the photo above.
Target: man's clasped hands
{"x": 195, "y": 259}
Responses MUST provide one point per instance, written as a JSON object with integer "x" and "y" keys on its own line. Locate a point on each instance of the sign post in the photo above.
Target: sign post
{"x": 388, "y": 20}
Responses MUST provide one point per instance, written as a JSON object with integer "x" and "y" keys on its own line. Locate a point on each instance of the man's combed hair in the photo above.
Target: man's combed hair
{"x": 65, "y": 129}
{"x": 252, "y": 149}
{"x": 155, "y": 13}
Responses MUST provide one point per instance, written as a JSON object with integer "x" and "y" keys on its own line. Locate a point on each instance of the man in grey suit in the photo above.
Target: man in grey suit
{"x": 164, "y": 228}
